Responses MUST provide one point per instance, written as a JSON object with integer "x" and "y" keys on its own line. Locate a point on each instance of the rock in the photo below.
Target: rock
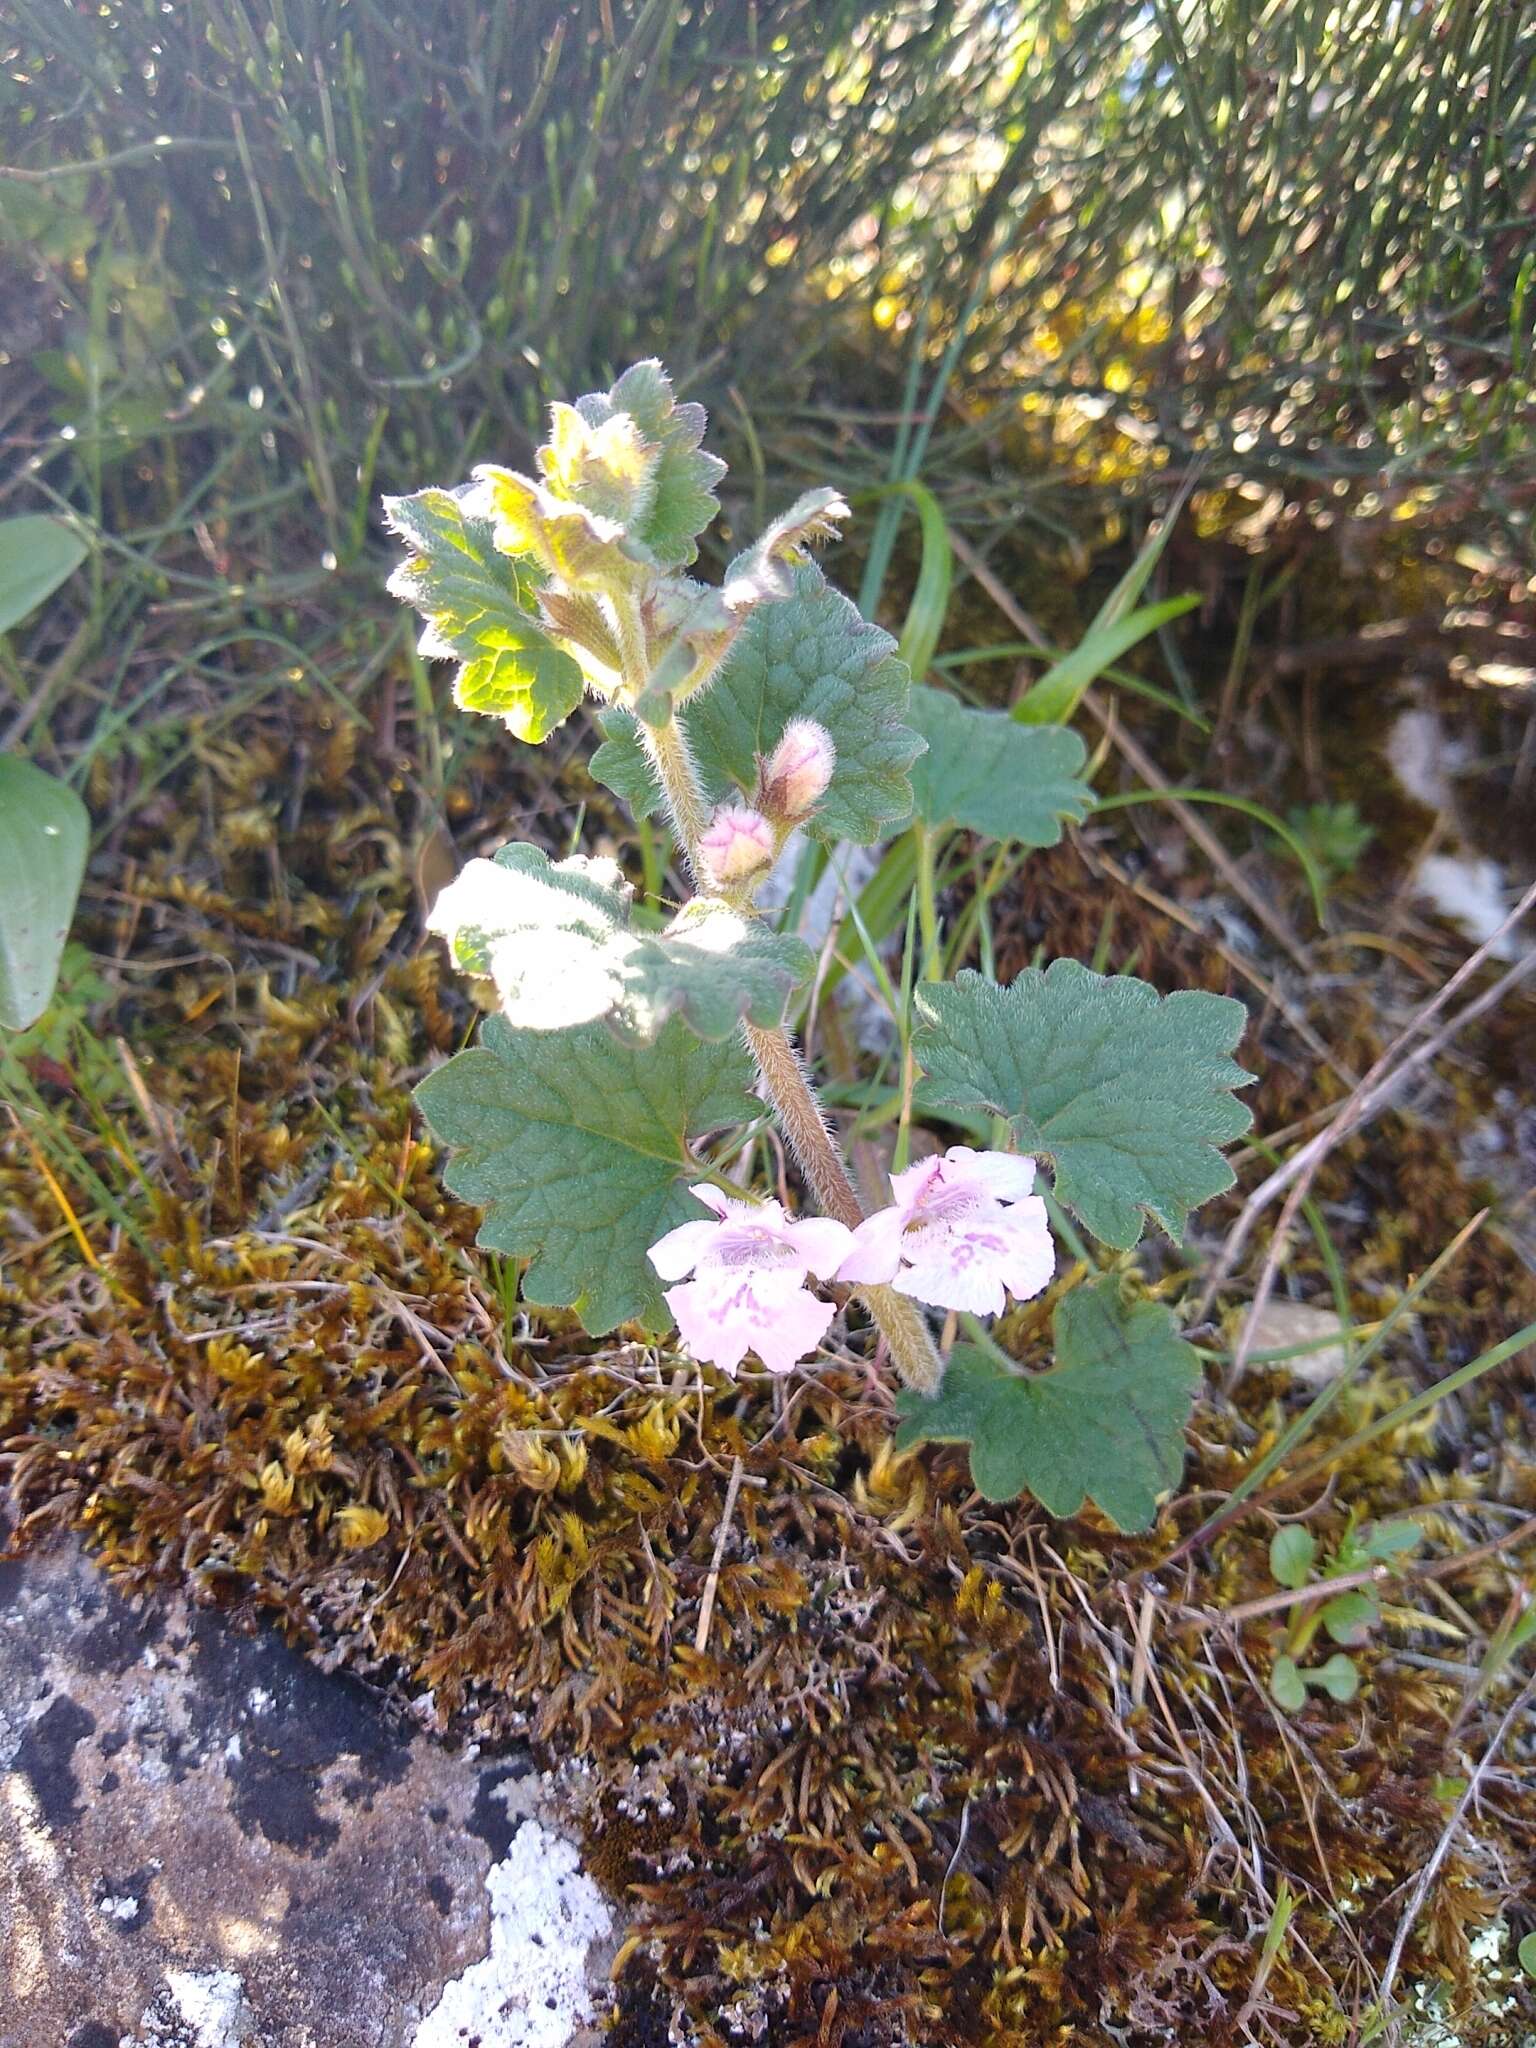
{"x": 545, "y": 1916}
{"x": 1282, "y": 1323}
{"x": 206, "y": 1842}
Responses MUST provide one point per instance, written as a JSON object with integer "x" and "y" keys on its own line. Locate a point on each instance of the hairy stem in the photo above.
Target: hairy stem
{"x": 667, "y": 749}
{"x": 814, "y": 1147}
{"x": 816, "y": 1152}
{"x": 789, "y": 1089}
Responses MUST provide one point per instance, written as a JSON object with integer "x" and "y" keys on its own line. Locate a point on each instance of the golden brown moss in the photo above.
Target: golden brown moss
{"x": 940, "y": 1771}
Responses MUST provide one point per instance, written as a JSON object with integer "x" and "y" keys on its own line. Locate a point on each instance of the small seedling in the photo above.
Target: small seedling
{"x": 1334, "y": 834}
{"x": 1347, "y": 1618}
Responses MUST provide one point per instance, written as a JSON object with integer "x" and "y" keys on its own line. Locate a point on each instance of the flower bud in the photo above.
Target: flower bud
{"x": 796, "y": 773}
{"x": 739, "y": 842}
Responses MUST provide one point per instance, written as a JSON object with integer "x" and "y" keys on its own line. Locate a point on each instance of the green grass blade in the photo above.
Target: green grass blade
{"x": 930, "y": 596}
{"x": 1304, "y": 858}
{"x": 1055, "y": 697}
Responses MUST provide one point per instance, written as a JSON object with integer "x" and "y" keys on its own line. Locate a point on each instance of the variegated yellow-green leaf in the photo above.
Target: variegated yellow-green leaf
{"x": 680, "y": 501}
{"x": 478, "y": 607}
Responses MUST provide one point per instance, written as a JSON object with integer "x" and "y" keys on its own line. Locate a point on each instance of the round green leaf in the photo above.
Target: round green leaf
{"x": 36, "y": 554}
{"x": 579, "y": 1149}
{"x": 1286, "y": 1687}
{"x": 44, "y": 833}
{"x": 1106, "y": 1422}
{"x": 1291, "y": 1553}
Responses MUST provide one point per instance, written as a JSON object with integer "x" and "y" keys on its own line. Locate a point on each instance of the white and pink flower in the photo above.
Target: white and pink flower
{"x": 963, "y": 1228}
{"x": 748, "y": 1289}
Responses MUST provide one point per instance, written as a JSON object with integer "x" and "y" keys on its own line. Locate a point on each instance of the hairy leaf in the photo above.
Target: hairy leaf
{"x": 578, "y": 1149}
{"x": 582, "y": 549}
{"x": 985, "y": 773}
{"x": 556, "y": 939}
{"x": 809, "y": 655}
{"x": 1105, "y": 1423}
{"x": 477, "y": 604}
{"x": 1128, "y": 1092}
{"x": 680, "y": 500}
{"x": 44, "y": 833}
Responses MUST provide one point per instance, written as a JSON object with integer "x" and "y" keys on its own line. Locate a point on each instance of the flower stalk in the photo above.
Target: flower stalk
{"x": 788, "y": 1087}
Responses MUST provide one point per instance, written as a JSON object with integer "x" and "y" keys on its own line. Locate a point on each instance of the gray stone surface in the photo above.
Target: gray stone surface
{"x": 206, "y": 1842}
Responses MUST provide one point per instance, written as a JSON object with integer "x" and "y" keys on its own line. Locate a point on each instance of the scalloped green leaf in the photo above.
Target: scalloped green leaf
{"x": 984, "y": 772}
{"x": 1104, "y": 1423}
{"x": 680, "y": 500}
{"x": 556, "y": 939}
{"x": 808, "y": 655}
{"x": 1126, "y": 1091}
{"x": 477, "y": 604}
{"x": 45, "y": 832}
{"x": 579, "y": 1148}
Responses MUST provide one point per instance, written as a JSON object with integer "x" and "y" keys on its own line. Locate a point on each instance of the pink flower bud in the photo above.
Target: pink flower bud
{"x": 739, "y": 842}
{"x": 796, "y": 773}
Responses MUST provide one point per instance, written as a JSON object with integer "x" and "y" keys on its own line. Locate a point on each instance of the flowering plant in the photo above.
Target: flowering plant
{"x": 612, "y": 1089}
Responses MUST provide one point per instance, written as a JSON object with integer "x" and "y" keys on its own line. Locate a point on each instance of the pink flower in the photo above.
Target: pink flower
{"x": 796, "y": 773}
{"x": 736, "y": 843}
{"x": 748, "y": 1291}
{"x": 962, "y": 1228}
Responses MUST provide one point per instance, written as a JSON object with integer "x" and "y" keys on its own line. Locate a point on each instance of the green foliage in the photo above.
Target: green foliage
{"x": 579, "y": 1148}
{"x": 1289, "y": 1684}
{"x": 671, "y": 500}
{"x": 983, "y": 773}
{"x": 556, "y": 939}
{"x": 929, "y": 603}
{"x": 36, "y": 555}
{"x": 809, "y": 655}
{"x": 1350, "y": 1617}
{"x": 1129, "y": 1093}
{"x": 1334, "y": 835}
{"x": 1105, "y": 1423}
{"x": 1292, "y": 1552}
{"x": 478, "y": 605}
{"x": 1347, "y": 1618}
{"x": 1527, "y": 1954}
{"x": 44, "y": 833}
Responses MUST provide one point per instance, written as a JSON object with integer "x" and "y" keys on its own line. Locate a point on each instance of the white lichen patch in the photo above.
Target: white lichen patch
{"x": 532, "y": 1989}
{"x": 1468, "y": 891}
{"x": 196, "y": 2009}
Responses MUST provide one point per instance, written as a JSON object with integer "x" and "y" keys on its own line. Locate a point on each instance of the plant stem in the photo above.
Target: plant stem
{"x": 789, "y": 1089}
{"x": 927, "y": 904}
{"x": 816, "y": 1152}
{"x": 667, "y": 749}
